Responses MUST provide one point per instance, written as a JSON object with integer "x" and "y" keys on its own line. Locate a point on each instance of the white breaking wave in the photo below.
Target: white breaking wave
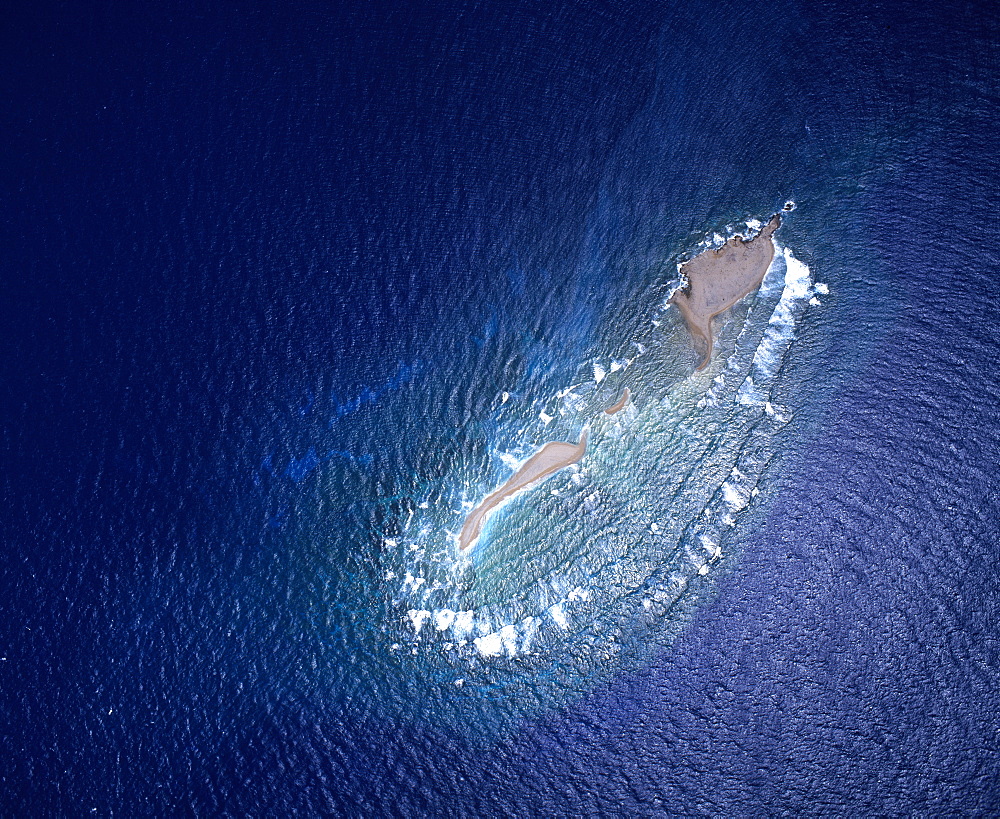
{"x": 770, "y": 353}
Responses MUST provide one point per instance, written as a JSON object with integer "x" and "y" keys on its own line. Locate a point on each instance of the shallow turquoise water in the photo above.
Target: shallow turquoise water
{"x": 580, "y": 575}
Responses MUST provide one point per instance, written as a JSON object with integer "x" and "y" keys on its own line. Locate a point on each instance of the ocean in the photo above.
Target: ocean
{"x": 289, "y": 291}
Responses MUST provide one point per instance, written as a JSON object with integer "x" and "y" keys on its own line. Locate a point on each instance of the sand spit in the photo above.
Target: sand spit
{"x": 717, "y": 279}
{"x": 620, "y": 404}
{"x": 552, "y": 457}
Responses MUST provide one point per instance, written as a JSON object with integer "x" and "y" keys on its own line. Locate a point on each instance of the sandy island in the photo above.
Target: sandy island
{"x": 549, "y": 459}
{"x": 717, "y": 279}
{"x": 620, "y": 404}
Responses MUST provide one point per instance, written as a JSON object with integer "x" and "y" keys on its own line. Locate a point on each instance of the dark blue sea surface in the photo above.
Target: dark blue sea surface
{"x": 288, "y": 291}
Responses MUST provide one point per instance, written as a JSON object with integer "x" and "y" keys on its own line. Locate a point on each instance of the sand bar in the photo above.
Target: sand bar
{"x": 620, "y": 404}
{"x": 552, "y": 457}
{"x": 717, "y": 279}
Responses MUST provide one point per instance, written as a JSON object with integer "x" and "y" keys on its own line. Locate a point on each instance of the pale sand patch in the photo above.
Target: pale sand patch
{"x": 717, "y": 279}
{"x": 552, "y": 457}
{"x": 619, "y": 405}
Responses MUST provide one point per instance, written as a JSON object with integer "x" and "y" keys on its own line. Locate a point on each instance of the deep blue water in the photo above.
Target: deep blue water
{"x": 284, "y": 287}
